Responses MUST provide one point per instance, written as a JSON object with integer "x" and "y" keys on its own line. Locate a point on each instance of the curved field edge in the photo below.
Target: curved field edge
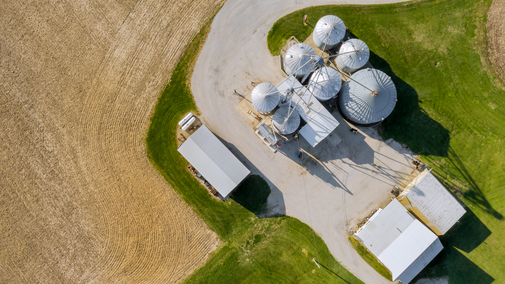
{"x": 450, "y": 111}
{"x": 272, "y": 250}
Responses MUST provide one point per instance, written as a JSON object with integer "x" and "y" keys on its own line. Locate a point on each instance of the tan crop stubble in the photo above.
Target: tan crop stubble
{"x": 495, "y": 37}
{"x": 79, "y": 199}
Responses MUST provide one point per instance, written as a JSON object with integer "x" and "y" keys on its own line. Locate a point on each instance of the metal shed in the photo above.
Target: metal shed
{"x": 329, "y": 31}
{"x": 367, "y": 97}
{"x": 399, "y": 241}
{"x": 430, "y": 202}
{"x": 286, "y": 120}
{"x": 353, "y": 55}
{"x": 265, "y": 97}
{"x": 214, "y": 161}
{"x": 298, "y": 60}
{"x": 325, "y": 83}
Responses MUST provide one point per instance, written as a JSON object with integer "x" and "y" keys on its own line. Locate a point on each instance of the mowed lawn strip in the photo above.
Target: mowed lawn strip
{"x": 272, "y": 250}
{"x": 450, "y": 111}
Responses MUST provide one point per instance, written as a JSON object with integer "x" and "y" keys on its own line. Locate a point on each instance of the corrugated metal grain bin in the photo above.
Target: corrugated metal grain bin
{"x": 325, "y": 83}
{"x": 265, "y": 97}
{"x": 286, "y": 120}
{"x": 367, "y": 97}
{"x": 329, "y": 31}
{"x": 353, "y": 55}
{"x": 298, "y": 60}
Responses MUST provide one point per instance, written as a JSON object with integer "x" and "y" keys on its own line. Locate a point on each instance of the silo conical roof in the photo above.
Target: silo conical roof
{"x": 329, "y": 31}
{"x": 325, "y": 83}
{"x": 353, "y": 55}
{"x": 367, "y": 97}
{"x": 284, "y": 124}
{"x": 265, "y": 97}
{"x": 298, "y": 59}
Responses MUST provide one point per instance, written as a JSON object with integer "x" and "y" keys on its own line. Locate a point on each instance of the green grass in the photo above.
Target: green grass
{"x": 273, "y": 250}
{"x": 370, "y": 258}
{"x": 450, "y": 110}
{"x": 254, "y": 250}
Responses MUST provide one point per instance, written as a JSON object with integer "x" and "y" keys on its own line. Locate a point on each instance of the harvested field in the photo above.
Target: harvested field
{"x": 495, "y": 37}
{"x": 80, "y": 201}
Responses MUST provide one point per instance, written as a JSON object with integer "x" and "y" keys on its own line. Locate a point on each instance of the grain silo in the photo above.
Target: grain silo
{"x": 298, "y": 60}
{"x": 367, "y": 97}
{"x": 353, "y": 55}
{"x": 265, "y": 97}
{"x": 329, "y": 31}
{"x": 325, "y": 83}
{"x": 286, "y": 120}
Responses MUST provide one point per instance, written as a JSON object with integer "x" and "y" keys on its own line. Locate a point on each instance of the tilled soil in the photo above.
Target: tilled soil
{"x": 79, "y": 200}
{"x": 495, "y": 27}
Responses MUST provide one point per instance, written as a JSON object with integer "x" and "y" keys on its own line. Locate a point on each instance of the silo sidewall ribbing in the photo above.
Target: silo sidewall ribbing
{"x": 365, "y": 116}
{"x": 296, "y": 57}
{"x": 286, "y": 68}
{"x": 320, "y": 89}
{"x": 320, "y": 44}
{"x": 352, "y": 65}
{"x": 345, "y": 113}
{"x": 344, "y": 67}
{"x": 341, "y": 64}
{"x": 344, "y": 91}
{"x": 346, "y": 116}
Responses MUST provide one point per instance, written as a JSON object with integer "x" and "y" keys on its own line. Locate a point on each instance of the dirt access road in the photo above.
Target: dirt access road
{"x": 79, "y": 200}
{"x": 330, "y": 198}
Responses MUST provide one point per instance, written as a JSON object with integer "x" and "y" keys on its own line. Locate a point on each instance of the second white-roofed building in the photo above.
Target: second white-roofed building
{"x": 432, "y": 203}
{"x": 399, "y": 241}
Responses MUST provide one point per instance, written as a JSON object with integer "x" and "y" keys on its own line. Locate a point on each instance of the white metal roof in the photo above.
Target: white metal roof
{"x": 353, "y": 54}
{"x": 367, "y": 97}
{"x": 213, "y": 160}
{"x": 435, "y": 202}
{"x": 298, "y": 60}
{"x": 320, "y": 122}
{"x": 402, "y": 243}
{"x": 329, "y": 30}
{"x": 265, "y": 97}
{"x": 421, "y": 262}
{"x": 325, "y": 83}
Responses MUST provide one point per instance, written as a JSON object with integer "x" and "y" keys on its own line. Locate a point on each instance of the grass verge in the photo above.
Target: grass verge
{"x": 450, "y": 110}
{"x": 370, "y": 258}
{"x": 254, "y": 250}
